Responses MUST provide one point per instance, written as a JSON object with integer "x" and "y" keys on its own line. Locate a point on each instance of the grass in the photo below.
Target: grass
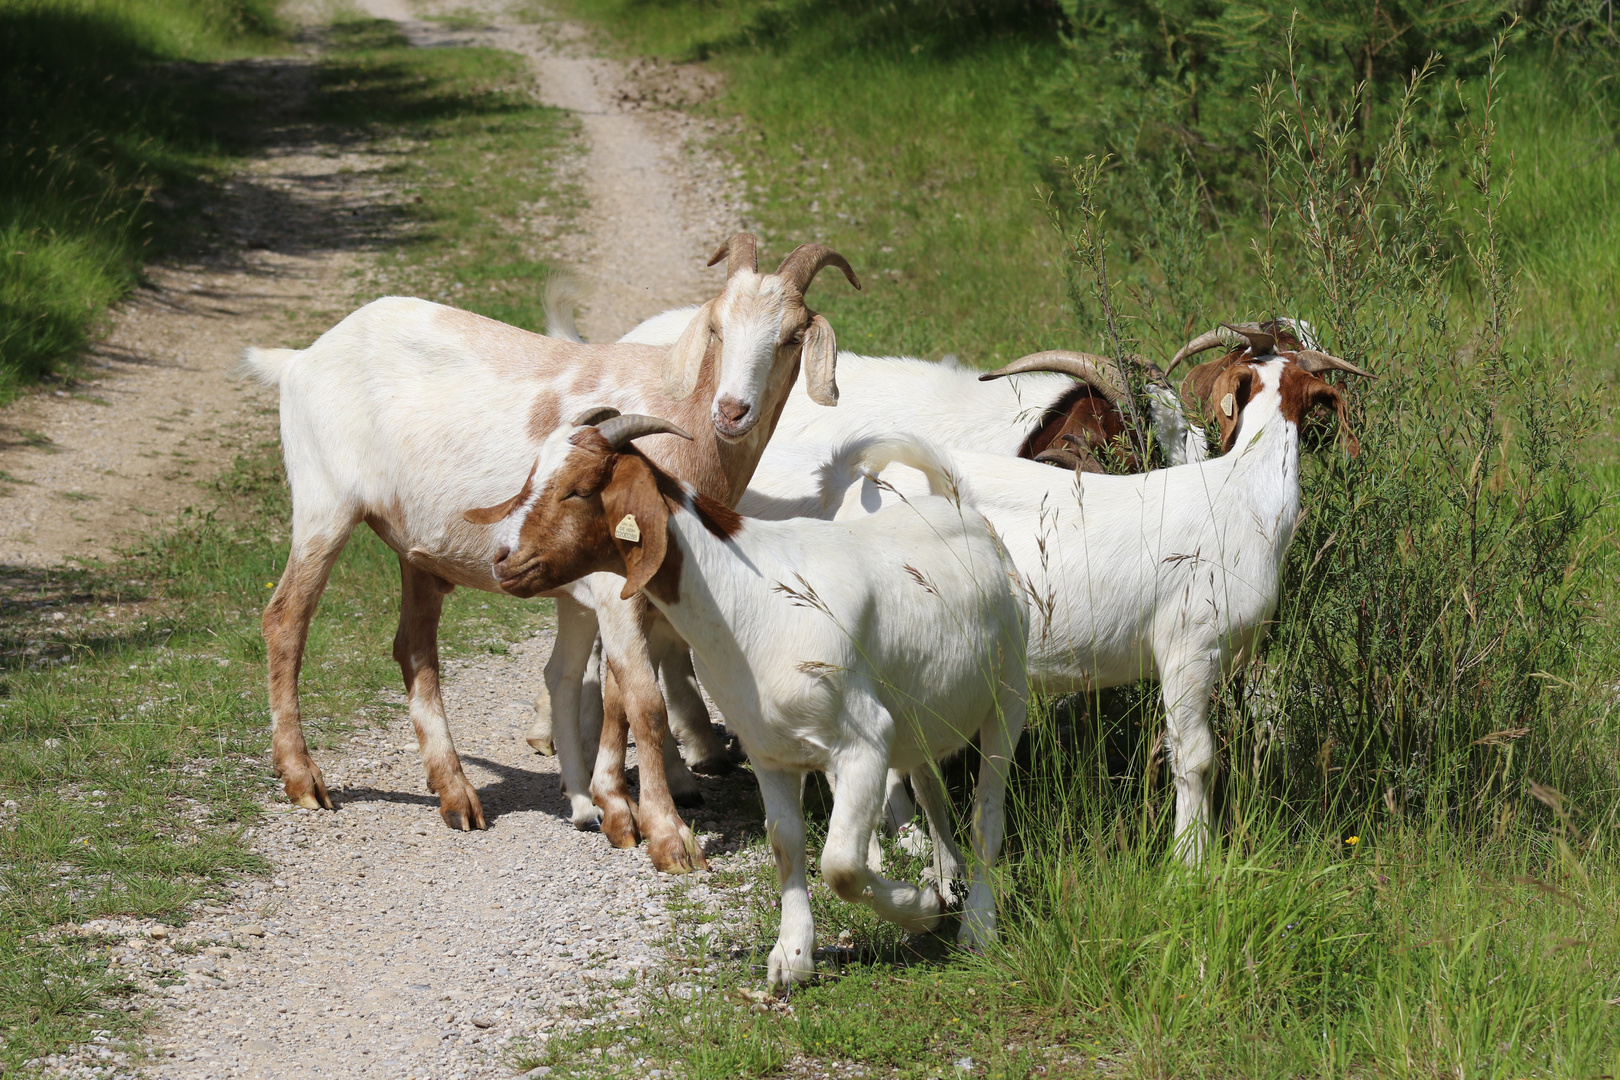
{"x": 1471, "y": 927}
{"x": 488, "y": 185}
{"x": 133, "y": 734}
{"x": 116, "y": 110}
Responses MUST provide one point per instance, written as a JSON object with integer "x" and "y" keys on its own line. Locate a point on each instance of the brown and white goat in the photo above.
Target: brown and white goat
{"x": 407, "y": 411}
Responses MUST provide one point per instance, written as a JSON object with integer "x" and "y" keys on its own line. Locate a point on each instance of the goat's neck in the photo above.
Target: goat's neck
{"x": 1265, "y": 474}
{"x": 723, "y": 586}
{"x": 736, "y": 461}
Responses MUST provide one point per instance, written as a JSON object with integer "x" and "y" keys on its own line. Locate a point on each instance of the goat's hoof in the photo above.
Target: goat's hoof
{"x": 688, "y": 800}
{"x": 712, "y": 767}
{"x": 619, "y": 826}
{"x": 310, "y": 793}
{"x": 460, "y": 808}
{"x": 783, "y": 971}
{"x": 542, "y": 745}
{"x": 676, "y": 853}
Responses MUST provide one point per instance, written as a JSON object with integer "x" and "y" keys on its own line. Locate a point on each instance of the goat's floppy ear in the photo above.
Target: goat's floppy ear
{"x": 684, "y": 361}
{"x": 1228, "y": 397}
{"x": 820, "y": 359}
{"x": 1328, "y": 396}
{"x": 637, "y": 519}
{"x": 489, "y": 515}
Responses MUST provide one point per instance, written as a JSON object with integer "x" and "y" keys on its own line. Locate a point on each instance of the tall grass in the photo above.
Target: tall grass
{"x": 105, "y": 103}
{"x": 1414, "y": 875}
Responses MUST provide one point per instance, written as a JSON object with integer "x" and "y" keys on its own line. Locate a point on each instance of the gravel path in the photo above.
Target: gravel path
{"x": 386, "y": 945}
{"x": 396, "y": 948}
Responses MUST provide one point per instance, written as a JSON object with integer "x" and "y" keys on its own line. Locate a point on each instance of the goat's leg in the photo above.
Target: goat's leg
{"x": 862, "y": 770}
{"x": 689, "y": 717}
{"x": 416, "y": 648}
{"x": 540, "y": 735}
{"x": 625, "y": 650}
{"x": 936, "y": 805}
{"x": 897, "y": 805}
{"x": 1187, "y": 687}
{"x": 998, "y": 738}
{"x": 672, "y": 656}
{"x": 793, "y": 957}
{"x": 608, "y": 786}
{"x": 286, "y": 628}
{"x": 565, "y": 671}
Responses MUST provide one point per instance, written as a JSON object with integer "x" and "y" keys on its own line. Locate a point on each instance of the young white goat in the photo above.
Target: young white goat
{"x": 839, "y": 647}
{"x": 406, "y": 411}
{"x": 1171, "y": 574}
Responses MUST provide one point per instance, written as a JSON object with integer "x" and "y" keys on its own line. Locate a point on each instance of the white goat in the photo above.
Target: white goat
{"x": 839, "y": 647}
{"x": 1171, "y": 574}
{"x": 406, "y": 411}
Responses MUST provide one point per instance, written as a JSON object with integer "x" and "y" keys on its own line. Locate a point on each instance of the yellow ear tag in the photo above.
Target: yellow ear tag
{"x": 1226, "y": 406}
{"x": 627, "y": 529}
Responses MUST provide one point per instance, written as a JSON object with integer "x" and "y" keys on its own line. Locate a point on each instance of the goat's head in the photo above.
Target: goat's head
{"x": 1248, "y": 342}
{"x": 760, "y": 328}
{"x": 591, "y": 503}
{"x": 1079, "y": 426}
{"x": 1288, "y": 382}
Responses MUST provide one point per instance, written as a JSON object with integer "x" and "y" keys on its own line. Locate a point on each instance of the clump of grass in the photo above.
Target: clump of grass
{"x": 489, "y": 187}
{"x": 107, "y": 101}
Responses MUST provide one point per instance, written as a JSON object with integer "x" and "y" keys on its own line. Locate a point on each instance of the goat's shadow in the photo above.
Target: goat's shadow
{"x": 514, "y": 790}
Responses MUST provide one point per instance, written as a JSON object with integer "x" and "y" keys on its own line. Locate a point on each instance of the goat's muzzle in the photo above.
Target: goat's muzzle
{"x": 732, "y": 418}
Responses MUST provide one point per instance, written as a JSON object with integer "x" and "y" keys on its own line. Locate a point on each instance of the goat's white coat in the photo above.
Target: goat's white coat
{"x": 845, "y": 646}
{"x": 1170, "y": 575}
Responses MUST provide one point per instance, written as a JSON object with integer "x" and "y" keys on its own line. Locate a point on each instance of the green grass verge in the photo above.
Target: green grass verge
{"x": 133, "y": 724}
{"x": 116, "y": 111}
{"x": 1480, "y": 940}
{"x": 486, "y": 184}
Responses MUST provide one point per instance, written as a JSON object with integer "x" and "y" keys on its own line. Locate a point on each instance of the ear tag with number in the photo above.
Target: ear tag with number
{"x": 1226, "y": 406}
{"x": 627, "y": 529}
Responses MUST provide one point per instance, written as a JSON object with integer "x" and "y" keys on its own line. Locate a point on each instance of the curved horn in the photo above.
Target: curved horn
{"x": 1209, "y": 339}
{"x": 1097, "y": 372}
{"x": 621, "y": 429}
{"x": 593, "y": 416}
{"x": 1313, "y": 361}
{"x": 807, "y": 260}
{"x": 1261, "y": 341}
{"x": 740, "y": 251}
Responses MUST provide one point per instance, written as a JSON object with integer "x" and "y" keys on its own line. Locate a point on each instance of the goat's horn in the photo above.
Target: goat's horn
{"x": 1313, "y": 361}
{"x": 1209, "y": 339}
{"x": 1259, "y": 340}
{"x": 740, "y": 251}
{"x": 804, "y": 262}
{"x": 595, "y": 415}
{"x": 1097, "y": 372}
{"x": 621, "y": 429}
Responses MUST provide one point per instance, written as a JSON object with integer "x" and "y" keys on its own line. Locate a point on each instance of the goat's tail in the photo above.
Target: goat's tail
{"x": 870, "y": 456}
{"x": 563, "y": 294}
{"x": 267, "y": 365}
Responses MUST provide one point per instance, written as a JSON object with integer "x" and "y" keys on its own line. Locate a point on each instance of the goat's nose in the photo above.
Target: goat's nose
{"x": 732, "y": 409}
{"x": 501, "y": 554}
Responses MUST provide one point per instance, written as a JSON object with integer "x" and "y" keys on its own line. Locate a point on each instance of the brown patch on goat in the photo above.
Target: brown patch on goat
{"x": 720, "y": 519}
{"x": 1301, "y": 392}
{"x": 1080, "y": 412}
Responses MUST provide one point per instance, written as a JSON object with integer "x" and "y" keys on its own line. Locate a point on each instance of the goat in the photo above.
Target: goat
{"x": 407, "y": 410}
{"x": 1170, "y": 574}
{"x": 839, "y": 647}
{"x": 1056, "y": 395}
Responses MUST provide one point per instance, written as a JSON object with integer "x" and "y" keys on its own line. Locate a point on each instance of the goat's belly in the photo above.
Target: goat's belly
{"x": 468, "y": 564}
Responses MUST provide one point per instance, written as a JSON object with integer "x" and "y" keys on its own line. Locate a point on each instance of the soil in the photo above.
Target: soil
{"x": 385, "y": 945}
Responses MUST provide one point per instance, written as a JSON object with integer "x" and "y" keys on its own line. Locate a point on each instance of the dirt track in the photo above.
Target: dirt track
{"x": 391, "y": 947}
